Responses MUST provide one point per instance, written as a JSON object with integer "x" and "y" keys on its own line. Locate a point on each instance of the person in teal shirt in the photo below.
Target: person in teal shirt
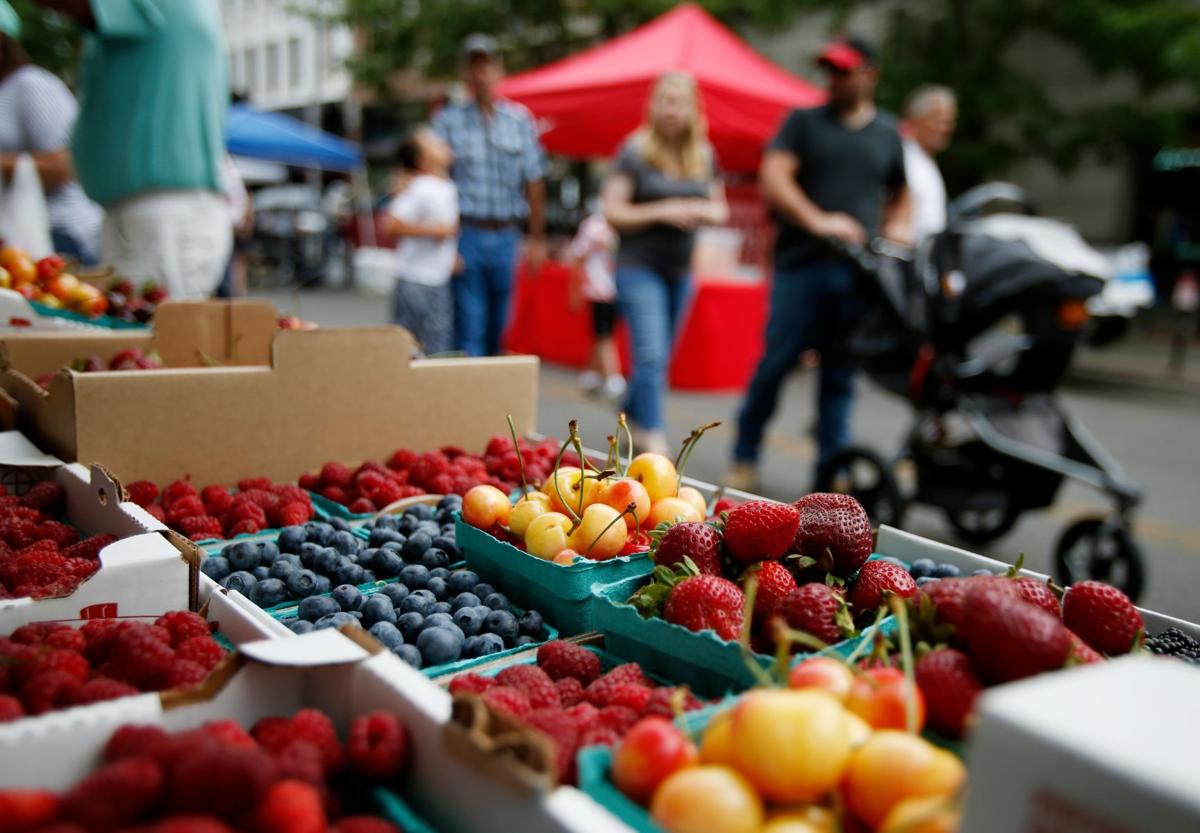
{"x": 150, "y": 138}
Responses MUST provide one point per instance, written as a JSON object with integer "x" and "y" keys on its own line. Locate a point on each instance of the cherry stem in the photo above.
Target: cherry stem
{"x": 613, "y": 460}
{"x": 512, "y": 430}
{"x": 623, "y": 429}
{"x": 906, "y": 662}
{"x": 583, "y": 464}
{"x": 874, "y": 629}
{"x": 628, "y": 509}
{"x": 685, "y": 452}
{"x": 558, "y": 485}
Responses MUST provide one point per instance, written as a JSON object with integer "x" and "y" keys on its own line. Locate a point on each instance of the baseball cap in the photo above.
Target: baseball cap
{"x": 847, "y": 53}
{"x": 478, "y": 44}
{"x": 10, "y": 23}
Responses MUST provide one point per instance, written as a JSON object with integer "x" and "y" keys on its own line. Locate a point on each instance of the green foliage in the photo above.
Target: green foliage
{"x": 50, "y": 40}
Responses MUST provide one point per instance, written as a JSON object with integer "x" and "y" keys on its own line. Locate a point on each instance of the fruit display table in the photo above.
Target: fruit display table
{"x": 719, "y": 342}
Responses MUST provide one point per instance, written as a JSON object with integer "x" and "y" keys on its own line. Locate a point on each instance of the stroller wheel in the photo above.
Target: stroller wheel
{"x": 982, "y": 526}
{"x": 1095, "y": 548}
{"x": 862, "y": 473}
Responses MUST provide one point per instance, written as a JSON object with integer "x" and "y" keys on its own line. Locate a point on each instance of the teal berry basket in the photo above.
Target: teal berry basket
{"x": 393, "y": 807}
{"x": 564, "y": 594}
{"x": 326, "y": 509}
{"x": 107, "y": 322}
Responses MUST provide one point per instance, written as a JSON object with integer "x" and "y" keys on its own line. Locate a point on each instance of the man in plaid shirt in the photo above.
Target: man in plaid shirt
{"x": 498, "y": 168}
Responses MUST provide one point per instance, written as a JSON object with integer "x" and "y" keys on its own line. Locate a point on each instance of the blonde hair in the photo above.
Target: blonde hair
{"x": 690, "y": 157}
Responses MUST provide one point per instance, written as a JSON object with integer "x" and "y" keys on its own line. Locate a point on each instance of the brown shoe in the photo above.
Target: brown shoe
{"x": 742, "y": 477}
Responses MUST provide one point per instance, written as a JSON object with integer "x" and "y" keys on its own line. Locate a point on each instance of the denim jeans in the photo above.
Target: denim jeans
{"x": 811, "y": 308}
{"x": 482, "y": 291}
{"x": 652, "y": 306}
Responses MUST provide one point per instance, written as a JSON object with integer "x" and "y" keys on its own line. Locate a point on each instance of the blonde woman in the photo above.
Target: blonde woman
{"x": 662, "y": 187}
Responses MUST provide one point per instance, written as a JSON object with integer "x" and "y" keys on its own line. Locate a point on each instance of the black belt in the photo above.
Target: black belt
{"x": 485, "y": 223}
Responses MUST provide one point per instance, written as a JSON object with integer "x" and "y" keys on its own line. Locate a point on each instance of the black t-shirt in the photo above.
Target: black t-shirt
{"x": 664, "y": 249}
{"x": 843, "y": 170}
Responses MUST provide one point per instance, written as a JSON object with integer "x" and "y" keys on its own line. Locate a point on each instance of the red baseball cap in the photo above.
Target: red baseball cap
{"x": 846, "y": 54}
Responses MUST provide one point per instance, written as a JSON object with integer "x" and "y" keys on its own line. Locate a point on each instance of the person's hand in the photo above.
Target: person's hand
{"x": 680, "y": 213}
{"x": 841, "y": 227}
{"x": 575, "y": 289}
{"x": 899, "y": 232}
{"x": 460, "y": 266}
{"x": 534, "y": 253}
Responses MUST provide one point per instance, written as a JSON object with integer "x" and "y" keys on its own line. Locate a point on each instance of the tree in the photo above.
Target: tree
{"x": 50, "y": 40}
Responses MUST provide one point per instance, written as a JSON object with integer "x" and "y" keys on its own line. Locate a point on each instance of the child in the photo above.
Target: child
{"x": 591, "y": 255}
{"x": 425, "y": 217}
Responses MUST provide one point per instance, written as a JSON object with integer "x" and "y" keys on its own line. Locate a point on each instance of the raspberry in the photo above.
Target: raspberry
{"x": 133, "y": 741}
{"x": 183, "y": 625}
{"x": 570, "y": 691}
{"x": 184, "y": 674}
{"x": 310, "y": 482}
{"x": 200, "y": 527}
{"x": 28, "y": 809}
{"x": 142, "y": 492}
{"x": 402, "y": 458}
{"x": 202, "y": 650}
{"x": 293, "y": 514}
{"x": 428, "y": 466}
{"x": 66, "y": 638}
{"x": 631, "y": 695}
{"x": 114, "y": 795}
{"x": 272, "y": 733}
{"x": 61, "y": 534}
{"x": 336, "y": 494}
{"x": 89, "y": 548}
{"x": 263, "y": 499}
{"x": 661, "y": 702}
{"x": 442, "y": 484}
{"x": 245, "y": 527}
{"x": 599, "y": 737}
{"x": 336, "y": 475}
{"x": 32, "y": 568}
{"x": 10, "y": 708}
{"x": 72, "y": 663}
{"x": 301, "y": 761}
{"x": 214, "y": 494}
{"x": 184, "y": 824}
{"x": 291, "y": 494}
{"x": 32, "y": 634}
{"x": 566, "y": 659}
{"x": 389, "y": 492}
{"x": 221, "y": 502}
{"x": 369, "y": 481}
{"x": 599, "y": 692}
{"x": 175, "y": 491}
{"x": 378, "y": 746}
{"x": 362, "y": 506}
{"x": 507, "y": 700}
{"x": 46, "y": 496}
{"x": 140, "y": 657}
{"x": 227, "y": 781}
{"x": 472, "y": 683}
{"x": 363, "y": 824}
{"x": 309, "y": 725}
{"x": 156, "y": 511}
{"x": 533, "y": 682}
{"x": 99, "y": 634}
{"x": 230, "y": 733}
{"x": 254, "y": 483}
{"x": 560, "y": 728}
{"x": 290, "y": 807}
{"x": 102, "y": 688}
{"x": 187, "y": 506}
{"x": 618, "y": 718}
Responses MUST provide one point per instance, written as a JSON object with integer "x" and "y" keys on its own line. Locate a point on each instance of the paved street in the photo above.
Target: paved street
{"x": 1148, "y": 424}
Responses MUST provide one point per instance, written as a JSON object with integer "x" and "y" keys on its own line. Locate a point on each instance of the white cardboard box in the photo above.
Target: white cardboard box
{"x": 1110, "y": 748}
{"x": 330, "y": 671}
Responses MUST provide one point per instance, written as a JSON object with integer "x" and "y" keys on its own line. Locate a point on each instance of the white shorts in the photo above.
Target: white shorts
{"x": 182, "y": 239}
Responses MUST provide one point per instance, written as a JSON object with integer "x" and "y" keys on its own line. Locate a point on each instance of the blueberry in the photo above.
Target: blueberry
{"x": 368, "y": 577}
{"x": 291, "y": 538}
{"x": 438, "y": 620}
{"x": 388, "y": 634}
{"x": 439, "y": 572}
{"x": 268, "y": 592}
{"x": 444, "y": 517}
{"x": 465, "y": 600}
{"x": 497, "y": 601}
{"x": 416, "y": 545}
{"x": 407, "y": 525}
{"x": 419, "y": 601}
{"x": 243, "y": 556}
{"x": 387, "y": 564}
{"x": 381, "y": 536}
{"x": 922, "y": 567}
{"x": 240, "y": 581}
{"x": 319, "y": 532}
{"x": 394, "y": 591}
{"x": 530, "y": 623}
{"x": 348, "y": 573}
{"x": 268, "y": 551}
{"x": 429, "y": 528}
{"x": 282, "y": 569}
{"x": 449, "y": 545}
{"x": 301, "y": 584}
{"x": 421, "y": 512}
{"x": 439, "y": 646}
{"x": 415, "y": 576}
{"x": 357, "y": 614}
{"x": 324, "y": 585}
{"x": 326, "y": 561}
{"x": 216, "y": 567}
{"x": 314, "y": 607}
{"x": 309, "y": 552}
{"x": 462, "y": 581}
{"x": 470, "y": 648}
{"x": 447, "y": 530}
{"x": 336, "y": 620}
{"x": 483, "y": 590}
{"x": 339, "y": 525}
{"x": 503, "y": 624}
{"x": 469, "y": 620}
{"x": 345, "y": 542}
{"x": 300, "y": 626}
{"x": 435, "y": 557}
{"x": 982, "y": 571}
{"x": 348, "y": 597}
{"x": 409, "y": 654}
{"x": 387, "y": 522}
{"x": 488, "y": 643}
{"x": 395, "y": 546}
{"x": 261, "y": 573}
{"x": 443, "y": 607}
{"x": 450, "y": 502}
{"x": 437, "y": 586}
{"x": 892, "y": 560}
{"x": 410, "y": 625}
{"x": 378, "y": 608}
{"x": 524, "y": 640}
{"x": 923, "y": 580}
{"x": 946, "y": 571}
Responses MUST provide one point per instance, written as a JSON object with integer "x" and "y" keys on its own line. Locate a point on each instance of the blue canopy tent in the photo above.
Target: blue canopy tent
{"x": 279, "y": 138}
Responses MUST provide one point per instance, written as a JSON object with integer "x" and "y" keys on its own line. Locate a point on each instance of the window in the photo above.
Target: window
{"x": 295, "y": 64}
{"x": 273, "y": 67}
{"x": 250, "y": 70}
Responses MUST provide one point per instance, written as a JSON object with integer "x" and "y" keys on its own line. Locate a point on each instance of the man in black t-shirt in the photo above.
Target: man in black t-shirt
{"x": 833, "y": 172}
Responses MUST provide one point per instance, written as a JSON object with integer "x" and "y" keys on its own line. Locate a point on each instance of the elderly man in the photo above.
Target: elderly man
{"x": 929, "y": 120}
{"x": 498, "y": 168}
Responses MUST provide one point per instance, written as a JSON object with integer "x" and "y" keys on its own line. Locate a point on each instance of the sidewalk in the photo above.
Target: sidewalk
{"x": 1138, "y": 360}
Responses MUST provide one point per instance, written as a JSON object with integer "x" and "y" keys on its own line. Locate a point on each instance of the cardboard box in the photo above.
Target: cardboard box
{"x": 345, "y": 395}
{"x": 1048, "y": 754}
{"x": 447, "y": 785}
{"x": 149, "y": 571}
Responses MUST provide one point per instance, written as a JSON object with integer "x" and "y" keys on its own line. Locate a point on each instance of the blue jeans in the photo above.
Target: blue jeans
{"x": 812, "y": 307}
{"x": 651, "y": 305}
{"x": 66, "y": 243}
{"x": 482, "y": 291}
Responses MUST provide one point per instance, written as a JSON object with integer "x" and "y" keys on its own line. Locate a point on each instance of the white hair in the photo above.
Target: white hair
{"x": 926, "y": 96}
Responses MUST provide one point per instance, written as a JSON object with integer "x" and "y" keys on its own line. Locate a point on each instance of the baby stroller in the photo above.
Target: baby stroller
{"x": 976, "y": 329}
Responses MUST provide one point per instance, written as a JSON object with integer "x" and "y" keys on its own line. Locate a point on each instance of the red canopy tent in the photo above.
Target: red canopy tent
{"x": 591, "y": 101}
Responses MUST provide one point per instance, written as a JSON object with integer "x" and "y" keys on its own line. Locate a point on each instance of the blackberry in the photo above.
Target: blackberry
{"x": 1174, "y": 643}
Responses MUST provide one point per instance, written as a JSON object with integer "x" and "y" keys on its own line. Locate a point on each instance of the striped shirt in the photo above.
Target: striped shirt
{"x": 493, "y": 158}
{"x": 37, "y": 112}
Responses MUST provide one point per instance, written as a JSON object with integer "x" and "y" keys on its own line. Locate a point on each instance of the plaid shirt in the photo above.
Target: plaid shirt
{"x": 493, "y": 159}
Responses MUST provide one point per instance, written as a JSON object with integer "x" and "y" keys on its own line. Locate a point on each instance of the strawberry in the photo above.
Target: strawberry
{"x": 1038, "y": 593}
{"x": 1103, "y": 617}
{"x": 818, "y": 610}
{"x": 1008, "y": 638}
{"x": 700, "y": 542}
{"x": 948, "y": 683}
{"x": 837, "y": 523}
{"x": 877, "y": 578}
{"x": 1082, "y": 653}
{"x": 774, "y": 583}
{"x": 706, "y": 602}
{"x": 761, "y": 530}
